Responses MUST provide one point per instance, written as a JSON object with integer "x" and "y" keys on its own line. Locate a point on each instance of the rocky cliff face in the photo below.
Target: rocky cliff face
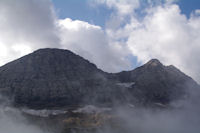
{"x": 54, "y": 78}
{"x": 156, "y": 83}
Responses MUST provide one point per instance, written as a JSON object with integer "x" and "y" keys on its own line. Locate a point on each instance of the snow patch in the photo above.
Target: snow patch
{"x": 90, "y": 109}
{"x": 43, "y": 112}
{"x": 126, "y": 85}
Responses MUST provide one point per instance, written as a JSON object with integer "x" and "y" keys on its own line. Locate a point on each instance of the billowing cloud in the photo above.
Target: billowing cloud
{"x": 26, "y": 26}
{"x": 91, "y": 42}
{"x": 163, "y": 32}
{"x": 29, "y": 25}
{"x": 170, "y": 36}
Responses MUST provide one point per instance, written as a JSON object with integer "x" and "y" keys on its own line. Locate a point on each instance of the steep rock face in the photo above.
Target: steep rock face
{"x": 156, "y": 83}
{"x": 51, "y": 77}
{"x": 55, "y": 78}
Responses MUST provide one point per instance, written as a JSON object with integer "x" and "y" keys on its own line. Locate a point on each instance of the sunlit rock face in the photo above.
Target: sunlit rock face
{"x": 57, "y": 78}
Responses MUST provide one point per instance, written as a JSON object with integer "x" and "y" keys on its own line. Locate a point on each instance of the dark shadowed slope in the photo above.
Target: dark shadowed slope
{"x": 55, "y": 77}
{"x": 156, "y": 83}
{"x": 49, "y": 76}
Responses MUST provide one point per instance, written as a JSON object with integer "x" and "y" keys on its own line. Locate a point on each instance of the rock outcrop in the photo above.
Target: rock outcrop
{"x": 57, "y": 78}
{"x": 156, "y": 83}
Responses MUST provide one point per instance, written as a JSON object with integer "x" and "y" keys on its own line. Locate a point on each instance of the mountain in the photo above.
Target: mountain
{"x": 156, "y": 83}
{"x": 57, "y": 78}
{"x": 49, "y": 77}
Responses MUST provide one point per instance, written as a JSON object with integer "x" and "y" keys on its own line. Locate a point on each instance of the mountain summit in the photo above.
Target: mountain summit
{"x": 50, "y": 77}
{"x": 154, "y": 62}
{"x": 56, "y": 77}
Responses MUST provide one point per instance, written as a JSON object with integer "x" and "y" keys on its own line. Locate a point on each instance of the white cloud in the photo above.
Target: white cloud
{"x": 123, "y": 7}
{"x": 69, "y": 24}
{"x": 30, "y": 25}
{"x": 164, "y": 33}
{"x": 197, "y": 12}
{"x": 168, "y": 35}
{"x": 91, "y": 42}
{"x": 26, "y": 26}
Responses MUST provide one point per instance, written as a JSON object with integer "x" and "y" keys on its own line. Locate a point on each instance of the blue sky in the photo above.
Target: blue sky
{"x": 188, "y": 6}
{"x": 81, "y": 10}
{"x": 115, "y": 35}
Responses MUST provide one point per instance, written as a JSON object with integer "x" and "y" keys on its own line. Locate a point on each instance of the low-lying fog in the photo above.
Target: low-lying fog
{"x": 12, "y": 120}
{"x": 180, "y": 120}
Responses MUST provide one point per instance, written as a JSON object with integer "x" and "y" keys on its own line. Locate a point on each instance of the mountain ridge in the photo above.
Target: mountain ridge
{"x": 55, "y": 78}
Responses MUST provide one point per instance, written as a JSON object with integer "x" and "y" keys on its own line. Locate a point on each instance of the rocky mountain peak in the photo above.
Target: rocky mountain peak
{"x": 56, "y": 77}
{"x": 154, "y": 63}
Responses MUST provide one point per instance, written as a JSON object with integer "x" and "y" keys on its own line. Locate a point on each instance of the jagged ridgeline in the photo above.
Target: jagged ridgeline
{"x": 56, "y": 78}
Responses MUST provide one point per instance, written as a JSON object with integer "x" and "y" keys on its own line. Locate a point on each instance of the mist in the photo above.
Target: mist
{"x": 157, "y": 121}
{"x": 13, "y": 121}
{"x": 181, "y": 116}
